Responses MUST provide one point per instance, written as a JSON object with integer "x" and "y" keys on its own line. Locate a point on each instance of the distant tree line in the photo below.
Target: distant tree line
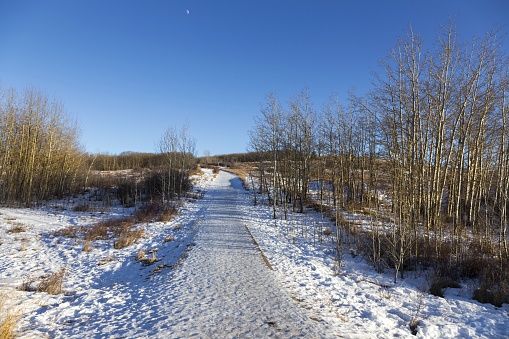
{"x": 426, "y": 151}
{"x": 124, "y": 160}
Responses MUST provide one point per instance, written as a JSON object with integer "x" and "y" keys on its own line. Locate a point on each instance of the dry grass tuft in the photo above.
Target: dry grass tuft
{"x": 167, "y": 214}
{"x": 70, "y": 232}
{"x": 26, "y": 285}
{"x": 140, "y": 255}
{"x": 196, "y": 172}
{"x": 88, "y": 246}
{"x": 17, "y": 228}
{"x": 144, "y": 259}
{"x": 97, "y": 231}
{"x": 127, "y": 237}
{"x": 106, "y": 260}
{"x": 24, "y": 245}
{"x": 9, "y": 318}
{"x": 52, "y": 283}
{"x": 169, "y": 238}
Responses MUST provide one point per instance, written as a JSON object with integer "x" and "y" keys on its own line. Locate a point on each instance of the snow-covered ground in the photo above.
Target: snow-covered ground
{"x": 210, "y": 281}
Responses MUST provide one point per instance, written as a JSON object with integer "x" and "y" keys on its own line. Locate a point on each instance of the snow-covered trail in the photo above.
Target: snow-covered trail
{"x": 224, "y": 288}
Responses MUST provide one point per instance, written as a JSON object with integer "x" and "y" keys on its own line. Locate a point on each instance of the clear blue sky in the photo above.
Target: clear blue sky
{"x": 128, "y": 69}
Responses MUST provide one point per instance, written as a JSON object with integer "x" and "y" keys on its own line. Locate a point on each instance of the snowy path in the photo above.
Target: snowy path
{"x": 224, "y": 289}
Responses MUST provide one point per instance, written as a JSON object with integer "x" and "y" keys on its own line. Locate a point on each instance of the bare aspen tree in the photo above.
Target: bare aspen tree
{"x": 168, "y": 145}
{"x": 304, "y": 119}
{"x": 265, "y": 138}
{"x": 187, "y": 150}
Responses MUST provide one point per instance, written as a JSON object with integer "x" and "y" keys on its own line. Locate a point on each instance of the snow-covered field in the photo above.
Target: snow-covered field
{"x": 210, "y": 280}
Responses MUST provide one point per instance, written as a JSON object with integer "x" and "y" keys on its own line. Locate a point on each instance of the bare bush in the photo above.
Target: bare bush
{"x": 127, "y": 237}
{"x": 140, "y": 255}
{"x": 97, "y": 231}
{"x": 167, "y": 214}
{"x": 495, "y": 295}
{"x": 82, "y": 208}
{"x": 17, "y": 228}
{"x": 439, "y": 283}
{"x": 26, "y": 285}
{"x": 70, "y": 232}
{"x": 40, "y": 154}
{"x": 52, "y": 283}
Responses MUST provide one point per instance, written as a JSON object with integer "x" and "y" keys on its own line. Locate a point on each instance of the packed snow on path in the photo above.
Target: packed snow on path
{"x": 212, "y": 282}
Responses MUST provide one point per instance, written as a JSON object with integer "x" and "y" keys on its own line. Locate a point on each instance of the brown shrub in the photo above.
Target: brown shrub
{"x": 97, "y": 231}
{"x": 52, "y": 283}
{"x": 197, "y": 171}
{"x": 155, "y": 211}
{"x": 327, "y": 232}
{"x": 438, "y": 285}
{"x": 140, "y": 255}
{"x": 495, "y": 295}
{"x": 82, "y": 208}
{"x": 70, "y": 232}
{"x": 17, "y": 228}
{"x": 106, "y": 228}
{"x": 127, "y": 237}
{"x": 167, "y": 214}
{"x": 148, "y": 212}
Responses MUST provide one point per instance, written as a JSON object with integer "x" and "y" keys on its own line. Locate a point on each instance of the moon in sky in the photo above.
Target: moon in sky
{"x": 187, "y": 11}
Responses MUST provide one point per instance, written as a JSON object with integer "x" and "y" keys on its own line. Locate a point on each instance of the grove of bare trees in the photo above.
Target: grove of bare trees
{"x": 424, "y": 154}
{"x": 178, "y": 150}
{"x": 40, "y": 155}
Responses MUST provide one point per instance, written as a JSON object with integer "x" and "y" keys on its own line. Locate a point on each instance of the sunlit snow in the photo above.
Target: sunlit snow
{"x": 211, "y": 281}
